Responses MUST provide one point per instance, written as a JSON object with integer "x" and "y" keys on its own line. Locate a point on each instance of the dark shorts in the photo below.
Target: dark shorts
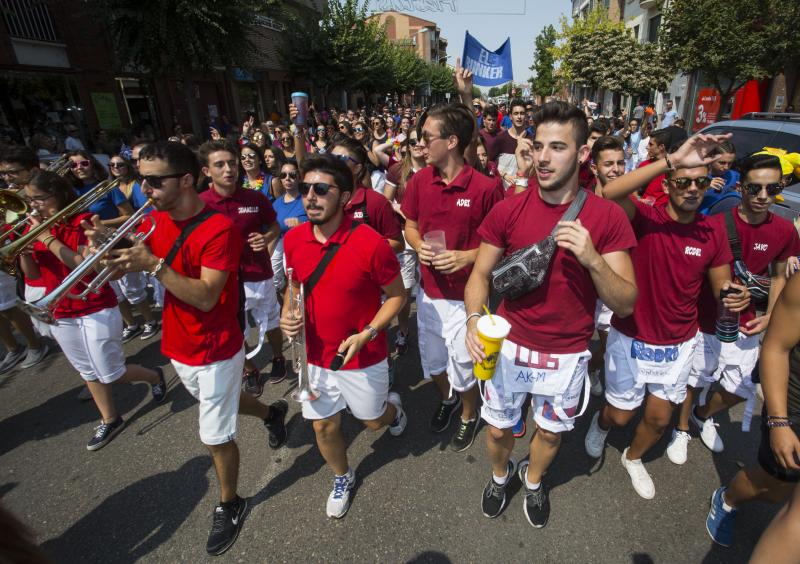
{"x": 766, "y": 458}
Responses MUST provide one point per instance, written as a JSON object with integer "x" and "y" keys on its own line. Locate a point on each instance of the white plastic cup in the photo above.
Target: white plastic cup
{"x": 300, "y": 101}
{"x": 436, "y": 241}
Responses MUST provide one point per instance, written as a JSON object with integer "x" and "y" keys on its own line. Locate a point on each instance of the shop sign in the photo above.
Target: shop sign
{"x": 105, "y": 107}
{"x": 706, "y": 108}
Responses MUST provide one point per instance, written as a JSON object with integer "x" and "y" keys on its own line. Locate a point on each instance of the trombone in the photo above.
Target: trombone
{"x": 60, "y": 166}
{"x": 297, "y": 345}
{"x": 10, "y": 252}
{"x": 11, "y": 207}
{"x": 43, "y": 308}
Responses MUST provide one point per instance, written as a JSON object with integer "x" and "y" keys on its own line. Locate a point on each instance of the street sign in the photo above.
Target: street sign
{"x": 447, "y": 95}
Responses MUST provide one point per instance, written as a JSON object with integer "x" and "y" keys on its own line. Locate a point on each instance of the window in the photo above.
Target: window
{"x": 28, "y": 19}
{"x": 269, "y": 23}
{"x": 652, "y": 28}
{"x": 788, "y": 141}
{"x": 636, "y": 32}
{"x": 746, "y": 141}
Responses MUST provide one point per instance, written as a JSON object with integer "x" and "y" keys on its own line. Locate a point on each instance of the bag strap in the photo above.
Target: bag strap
{"x": 333, "y": 248}
{"x": 573, "y": 210}
{"x": 193, "y": 224}
{"x": 733, "y": 236}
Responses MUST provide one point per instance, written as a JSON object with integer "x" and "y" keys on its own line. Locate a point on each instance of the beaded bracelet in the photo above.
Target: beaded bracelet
{"x": 772, "y": 423}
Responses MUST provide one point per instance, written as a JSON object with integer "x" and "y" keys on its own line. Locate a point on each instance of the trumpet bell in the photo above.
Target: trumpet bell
{"x": 10, "y": 202}
{"x": 39, "y": 313}
{"x": 305, "y": 394}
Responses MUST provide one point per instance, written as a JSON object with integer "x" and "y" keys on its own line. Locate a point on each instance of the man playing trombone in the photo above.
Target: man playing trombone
{"x": 341, "y": 270}
{"x": 194, "y": 252}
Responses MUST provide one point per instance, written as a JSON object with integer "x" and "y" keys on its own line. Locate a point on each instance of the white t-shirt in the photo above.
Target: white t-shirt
{"x": 73, "y": 144}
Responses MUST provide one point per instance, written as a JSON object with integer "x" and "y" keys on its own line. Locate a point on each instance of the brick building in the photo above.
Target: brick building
{"x": 421, "y": 36}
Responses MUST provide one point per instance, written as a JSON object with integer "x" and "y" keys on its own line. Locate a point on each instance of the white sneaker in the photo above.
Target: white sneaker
{"x": 339, "y": 500}
{"x": 641, "y": 480}
{"x": 595, "y": 441}
{"x": 708, "y": 432}
{"x": 676, "y": 451}
{"x": 596, "y": 388}
{"x": 400, "y": 420}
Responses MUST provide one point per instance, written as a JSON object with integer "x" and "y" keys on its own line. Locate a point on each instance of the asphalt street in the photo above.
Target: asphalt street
{"x": 148, "y": 495}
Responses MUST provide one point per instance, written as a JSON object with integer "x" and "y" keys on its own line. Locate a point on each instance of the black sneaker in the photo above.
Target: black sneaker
{"x": 159, "y": 390}
{"x": 444, "y": 413}
{"x": 130, "y": 332}
{"x": 276, "y": 426}
{"x": 465, "y": 435}
{"x": 537, "y": 502}
{"x": 104, "y": 433}
{"x": 225, "y": 526}
{"x": 494, "y": 495}
{"x": 252, "y": 383}
{"x": 278, "y": 372}
{"x": 150, "y": 330}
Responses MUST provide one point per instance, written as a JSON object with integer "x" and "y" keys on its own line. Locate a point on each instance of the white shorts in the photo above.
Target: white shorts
{"x": 704, "y": 361}
{"x": 158, "y": 290}
{"x": 93, "y": 344}
{"x": 555, "y": 382}
{"x": 364, "y": 391}
{"x": 736, "y": 363}
{"x": 442, "y": 341}
{"x": 625, "y": 385}
{"x": 131, "y": 287}
{"x": 33, "y": 293}
{"x": 8, "y": 291}
{"x": 278, "y": 265}
{"x": 602, "y": 316}
{"x": 408, "y": 267}
{"x": 261, "y": 301}
{"x": 217, "y": 387}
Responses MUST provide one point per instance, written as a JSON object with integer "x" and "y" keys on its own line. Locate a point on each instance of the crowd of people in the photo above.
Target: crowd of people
{"x": 593, "y": 222}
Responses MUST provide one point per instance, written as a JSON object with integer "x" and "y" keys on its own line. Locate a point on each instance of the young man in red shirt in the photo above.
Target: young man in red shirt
{"x": 505, "y": 144}
{"x": 546, "y": 354}
{"x": 766, "y": 242}
{"x": 201, "y": 333}
{"x": 252, "y": 214}
{"x": 657, "y": 149}
{"x": 344, "y": 317}
{"x": 651, "y": 350}
{"x": 452, "y": 198}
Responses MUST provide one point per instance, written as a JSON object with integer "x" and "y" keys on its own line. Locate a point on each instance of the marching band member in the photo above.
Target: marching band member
{"x": 89, "y": 331}
{"x": 194, "y": 252}
{"x": 344, "y": 269}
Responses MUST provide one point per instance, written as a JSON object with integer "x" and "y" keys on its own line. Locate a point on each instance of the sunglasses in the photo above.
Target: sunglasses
{"x": 773, "y": 189}
{"x": 154, "y": 181}
{"x": 285, "y": 175}
{"x": 320, "y": 188}
{"x": 345, "y": 158}
{"x": 248, "y": 156}
{"x": 114, "y": 164}
{"x": 10, "y": 172}
{"x": 79, "y": 164}
{"x": 412, "y": 142}
{"x": 358, "y": 130}
{"x": 36, "y": 199}
{"x": 683, "y": 183}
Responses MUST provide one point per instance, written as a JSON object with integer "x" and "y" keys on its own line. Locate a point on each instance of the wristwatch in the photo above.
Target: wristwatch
{"x": 372, "y": 332}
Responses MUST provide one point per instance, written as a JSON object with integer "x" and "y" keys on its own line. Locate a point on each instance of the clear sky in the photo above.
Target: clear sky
{"x": 490, "y": 21}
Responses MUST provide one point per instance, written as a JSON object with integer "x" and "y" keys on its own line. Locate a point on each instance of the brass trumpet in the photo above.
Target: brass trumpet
{"x": 43, "y": 308}
{"x": 297, "y": 345}
{"x": 11, "y": 206}
{"x": 60, "y": 166}
{"x": 9, "y": 253}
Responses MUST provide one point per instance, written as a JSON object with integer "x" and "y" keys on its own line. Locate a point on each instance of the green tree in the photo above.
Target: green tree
{"x": 599, "y": 53}
{"x": 732, "y": 42}
{"x": 544, "y": 81}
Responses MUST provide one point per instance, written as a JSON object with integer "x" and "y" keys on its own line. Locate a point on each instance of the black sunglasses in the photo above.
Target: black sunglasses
{"x": 683, "y": 183}
{"x": 773, "y": 189}
{"x": 156, "y": 181}
{"x": 320, "y": 188}
{"x": 291, "y": 175}
{"x": 412, "y": 142}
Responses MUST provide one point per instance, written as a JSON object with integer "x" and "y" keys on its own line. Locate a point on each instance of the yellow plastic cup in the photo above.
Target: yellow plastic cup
{"x": 491, "y": 336}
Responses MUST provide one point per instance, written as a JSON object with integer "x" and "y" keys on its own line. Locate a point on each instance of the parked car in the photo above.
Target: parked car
{"x": 754, "y": 131}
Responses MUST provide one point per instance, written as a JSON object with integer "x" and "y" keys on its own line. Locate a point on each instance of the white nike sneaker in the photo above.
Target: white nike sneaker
{"x": 596, "y": 388}
{"x": 595, "y": 441}
{"x": 339, "y": 499}
{"x": 677, "y": 449}
{"x": 708, "y": 432}
{"x": 641, "y": 480}
{"x": 401, "y": 420}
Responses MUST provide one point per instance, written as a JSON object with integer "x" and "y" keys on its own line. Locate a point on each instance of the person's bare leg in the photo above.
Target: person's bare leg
{"x": 331, "y": 443}
{"x": 499, "y": 445}
{"x": 7, "y": 336}
{"x": 442, "y": 384}
{"x": 544, "y": 447}
{"x": 104, "y": 400}
{"x": 755, "y": 484}
{"x": 387, "y": 418}
{"x": 470, "y": 400}
{"x": 127, "y": 313}
{"x": 657, "y": 416}
{"x": 686, "y": 408}
{"x": 248, "y": 405}
{"x": 23, "y": 324}
{"x": 719, "y": 400}
{"x": 778, "y": 544}
{"x": 611, "y": 416}
{"x": 275, "y": 340}
{"x": 143, "y": 309}
{"x": 226, "y": 465}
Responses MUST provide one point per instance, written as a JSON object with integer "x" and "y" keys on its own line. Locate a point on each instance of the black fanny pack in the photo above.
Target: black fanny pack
{"x": 524, "y": 270}
{"x": 757, "y": 285}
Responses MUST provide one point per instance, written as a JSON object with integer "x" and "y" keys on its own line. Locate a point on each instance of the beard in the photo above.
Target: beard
{"x": 559, "y": 181}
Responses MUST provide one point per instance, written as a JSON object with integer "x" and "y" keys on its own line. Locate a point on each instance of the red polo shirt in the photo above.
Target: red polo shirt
{"x": 53, "y": 272}
{"x": 348, "y": 295}
{"x": 380, "y": 214}
{"x": 457, "y": 208}
{"x": 191, "y": 336}
{"x": 655, "y": 189}
{"x": 251, "y": 212}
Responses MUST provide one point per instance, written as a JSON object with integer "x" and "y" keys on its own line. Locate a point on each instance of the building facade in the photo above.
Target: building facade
{"x": 421, "y": 36}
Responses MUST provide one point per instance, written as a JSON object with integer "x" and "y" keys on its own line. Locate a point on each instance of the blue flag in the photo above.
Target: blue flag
{"x": 489, "y": 68}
